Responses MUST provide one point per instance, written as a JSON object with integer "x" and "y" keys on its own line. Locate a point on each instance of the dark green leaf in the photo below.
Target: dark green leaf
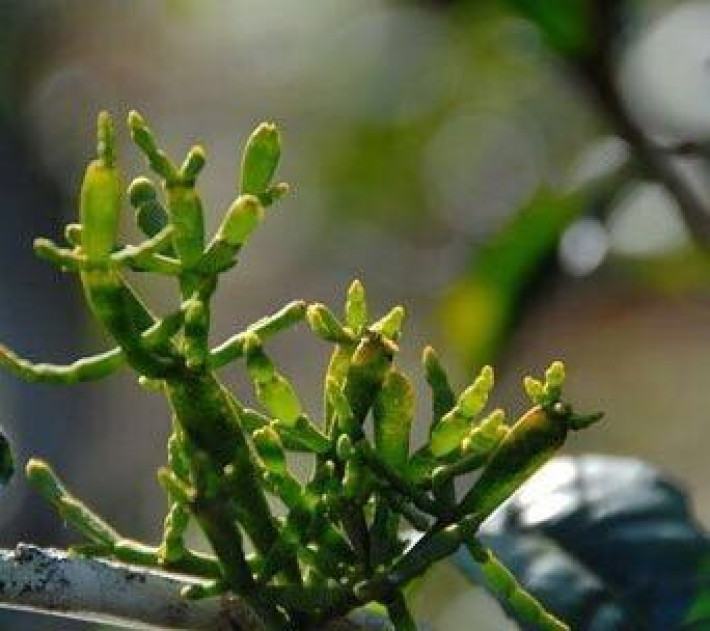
{"x": 607, "y": 544}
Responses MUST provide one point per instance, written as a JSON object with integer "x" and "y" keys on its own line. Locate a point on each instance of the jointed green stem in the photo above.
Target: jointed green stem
{"x": 438, "y": 545}
{"x": 147, "y": 256}
{"x": 398, "y": 482}
{"x": 464, "y": 465}
{"x": 62, "y": 258}
{"x": 108, "y": 542}
{"x": 125, "y": 317}
{"x": 87, "y": 368}
{"x": 84, "y": 369}
{"x": 191, "y": 562}
{"x": 400, "y": 503}
{"x": 72, "y": 510}
{"x": 234, "y": 347}
{"x": 339, "y": 545}
{"x": 399, "y": 614}
{"x": 180, "y": 495}
{"x": 205, "y": 415}
{"x": 505, "y": 586}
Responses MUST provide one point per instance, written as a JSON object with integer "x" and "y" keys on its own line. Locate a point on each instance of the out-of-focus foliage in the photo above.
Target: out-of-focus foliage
{"x": 609, "y": 544}
{"x": 479, "y": 310}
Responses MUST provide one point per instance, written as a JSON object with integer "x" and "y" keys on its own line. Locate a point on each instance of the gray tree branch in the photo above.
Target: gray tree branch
{"x": 52, "y": 582}
{"x": 49, "y": 581}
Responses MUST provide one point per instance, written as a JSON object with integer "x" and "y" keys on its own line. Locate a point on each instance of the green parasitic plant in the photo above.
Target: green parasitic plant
{"x": 343, "y": 540}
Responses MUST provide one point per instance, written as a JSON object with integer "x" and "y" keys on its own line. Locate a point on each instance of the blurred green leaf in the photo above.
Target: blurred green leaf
{"x": 477, "y": 311}
{"x": 564, "y": 24}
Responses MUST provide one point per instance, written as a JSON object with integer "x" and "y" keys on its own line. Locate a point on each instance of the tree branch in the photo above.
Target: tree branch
{"x": 657, "y": 163}
{"x": 52, "y": 582}
{"x": 598, "y": 72}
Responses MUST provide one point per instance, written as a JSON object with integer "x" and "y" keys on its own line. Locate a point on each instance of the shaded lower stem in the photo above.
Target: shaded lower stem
{"x": 204, "y": 412}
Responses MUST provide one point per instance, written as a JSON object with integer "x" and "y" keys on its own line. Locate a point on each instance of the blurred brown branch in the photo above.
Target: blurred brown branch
{"x": 597, "y": 72}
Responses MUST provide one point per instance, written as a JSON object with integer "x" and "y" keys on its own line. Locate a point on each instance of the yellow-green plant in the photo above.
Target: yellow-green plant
{"x": 340, "y": 543}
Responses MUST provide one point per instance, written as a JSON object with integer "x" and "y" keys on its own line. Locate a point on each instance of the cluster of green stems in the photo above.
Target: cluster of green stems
{"x": 339, "y": 542}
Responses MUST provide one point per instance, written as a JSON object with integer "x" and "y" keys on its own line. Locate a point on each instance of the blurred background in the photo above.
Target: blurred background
{"x": 529, "y": 187}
